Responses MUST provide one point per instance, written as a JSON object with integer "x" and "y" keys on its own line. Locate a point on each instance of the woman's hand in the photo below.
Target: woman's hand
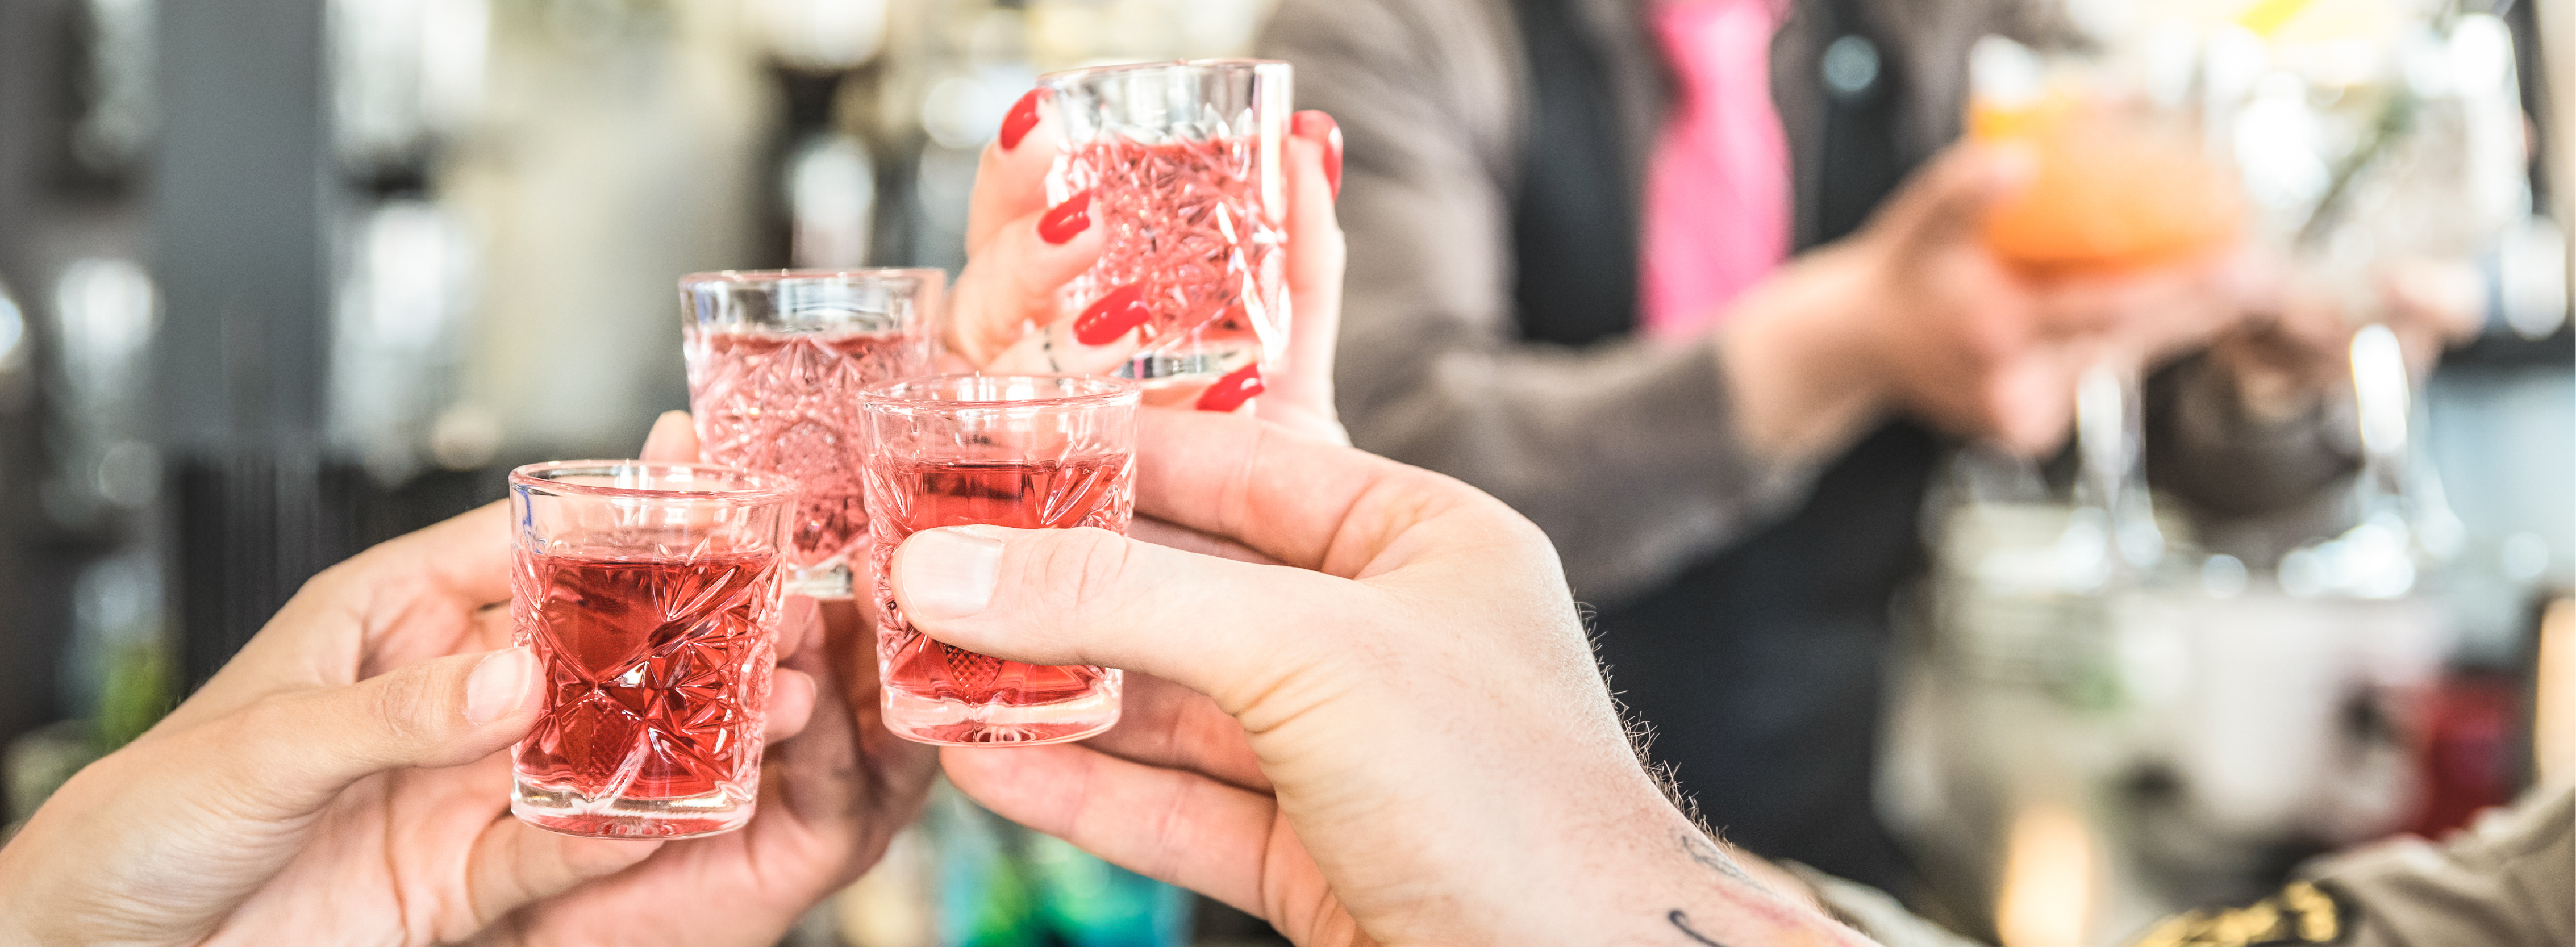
{"x": 344, "y": 780}
{"x": 1398, "y": 735}
{"x": 1007, "y": 314}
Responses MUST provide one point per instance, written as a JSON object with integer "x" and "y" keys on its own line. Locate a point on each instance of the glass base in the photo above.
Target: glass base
{"x": 828, "y": 581}
{"x": 958, "y": 723}
{"x": 574, "y": 814}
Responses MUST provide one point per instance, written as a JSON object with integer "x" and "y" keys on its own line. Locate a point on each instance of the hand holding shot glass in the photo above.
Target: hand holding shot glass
{"x": 652, "y": 595}
{"x": 1020, "y": 451}
{"x": 1182, "y": 164}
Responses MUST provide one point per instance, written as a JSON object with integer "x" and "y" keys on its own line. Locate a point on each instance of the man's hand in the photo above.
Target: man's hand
{"x": 1394, "y": 734}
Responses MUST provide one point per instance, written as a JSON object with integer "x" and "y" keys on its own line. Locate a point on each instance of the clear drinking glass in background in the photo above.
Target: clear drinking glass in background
{"x": 2124, "y": 179}
{"x": 776, "y": 360}
{"x": 1023, "y": 451}
{"x": 1183, "y": 164}
{"x": 652, "y": 593}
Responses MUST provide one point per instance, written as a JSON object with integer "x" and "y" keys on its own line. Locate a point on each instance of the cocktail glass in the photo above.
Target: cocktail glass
{"x": 2123, "y": 179}
{"x": 652, "y": 594}
{"x": 776, "y": 359}
{"x": 1182, "y": 162}
{"x": 1022, "y": 451}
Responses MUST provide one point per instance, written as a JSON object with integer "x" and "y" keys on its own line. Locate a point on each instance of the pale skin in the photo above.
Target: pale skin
{"x": 345, "y": 779}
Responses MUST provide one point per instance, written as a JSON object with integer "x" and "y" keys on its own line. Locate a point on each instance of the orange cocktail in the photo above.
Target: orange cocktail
{"x": 2117, "y": 185}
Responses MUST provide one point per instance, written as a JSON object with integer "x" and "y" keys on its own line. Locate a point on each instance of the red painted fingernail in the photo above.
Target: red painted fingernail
{"x": 1123, "y": 309}
{"x": 1022, "y": 117}
{"x": 1314, "y": 124}
{"x": 1231, "y": 391}
{"x": 1064, "y": 220}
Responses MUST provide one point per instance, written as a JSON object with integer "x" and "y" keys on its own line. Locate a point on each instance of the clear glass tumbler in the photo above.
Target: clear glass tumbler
{"x": 652, "y": 593}
{"x": 1183, "y": 164}
{"x": 1023, "y": 451}
{"x": 776, "y": 360}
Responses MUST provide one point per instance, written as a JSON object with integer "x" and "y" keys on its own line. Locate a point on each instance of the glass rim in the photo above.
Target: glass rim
{"x": 1106, "y": 392}
{"x": 747, "y": 485}
{"x": 770, "y": 277}
{"x": 1215, "y": 64}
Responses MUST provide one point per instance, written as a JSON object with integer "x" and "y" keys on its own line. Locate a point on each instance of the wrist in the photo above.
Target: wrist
{"x": 1800, "y": 365}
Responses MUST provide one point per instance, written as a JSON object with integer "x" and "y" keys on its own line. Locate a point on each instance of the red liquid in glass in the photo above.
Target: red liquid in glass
{"x": 657, "y": 674}
{"x": 918, "y": 495}
{"x": 787, "y": 403}
{"x": 1187, "y": 220}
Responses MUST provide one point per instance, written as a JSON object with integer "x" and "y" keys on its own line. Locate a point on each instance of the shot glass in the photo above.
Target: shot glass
{"x": 776, "y": 360}
{"x": 652, "y": 593}
{"x": 1182, "y": 161}
{"x": 1024, "y": 451}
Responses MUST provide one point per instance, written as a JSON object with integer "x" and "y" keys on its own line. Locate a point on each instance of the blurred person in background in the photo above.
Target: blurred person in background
{"x": 1697, "y": 285}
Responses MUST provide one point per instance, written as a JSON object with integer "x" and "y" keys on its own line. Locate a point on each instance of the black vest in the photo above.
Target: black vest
{"x": 1760, "y": 667}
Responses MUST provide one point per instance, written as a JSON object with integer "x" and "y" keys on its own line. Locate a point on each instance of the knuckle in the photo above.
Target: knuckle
{"x": 407, "y": 707}
{"x": 1088, "y": 567}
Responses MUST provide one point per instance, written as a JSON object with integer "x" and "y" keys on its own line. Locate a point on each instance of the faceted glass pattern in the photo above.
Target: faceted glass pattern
{"x": 1041, "y": 452}
{"x": 655, "y": 615}
{"x": 1183, "y": 164}
{"x": 775, "y": 361}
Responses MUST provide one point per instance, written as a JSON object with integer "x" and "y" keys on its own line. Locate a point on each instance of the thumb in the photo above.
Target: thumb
{"x": 1948, "y": 200}
{"x": 1089, "y": 596}
{"x": 291, "y": 754}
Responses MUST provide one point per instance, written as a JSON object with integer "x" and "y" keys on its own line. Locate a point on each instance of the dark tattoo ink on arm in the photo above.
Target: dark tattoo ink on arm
{"x": 1681, "y": 922}
{"x": 1713, "y": 858}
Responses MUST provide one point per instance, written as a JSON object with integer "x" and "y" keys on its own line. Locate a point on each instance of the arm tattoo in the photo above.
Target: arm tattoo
{"x": 1681, "y": 922}
{"x": 1711, "y": 857}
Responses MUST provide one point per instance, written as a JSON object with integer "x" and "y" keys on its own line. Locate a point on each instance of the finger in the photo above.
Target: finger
{"x": 673, "y": 440}
{"x": 1175, "y": 827}
{"x": 1947, "y": 202}
{"x": 1299, "y": 392}
{"x": 1010, "y": 178}
{"x": 287, "y": 756}
{"x": 791, "y": 704}
{"x": 1016, "y": 279}
{"x": 1060, "y": 349}
{"x": 513, "y": 864}
{"x": 403, "y": 600}
{"x": 1302, "y": 503}
{"x": 1185, "y": 539}
{"x": 1089, "y": 596}
{"x": 1166, "y": 725}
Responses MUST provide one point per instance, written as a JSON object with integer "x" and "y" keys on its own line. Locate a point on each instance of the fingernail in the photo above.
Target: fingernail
{"x": 1067, "y": 219}
{"x": 1231, "y": 391}
{"x": 499, "y": 685}
{"x": 1320, "y": 126}
{"x": 948, "y": 573}
{"x": 1022, "y": 117}
{"x": 1123, "y": 309}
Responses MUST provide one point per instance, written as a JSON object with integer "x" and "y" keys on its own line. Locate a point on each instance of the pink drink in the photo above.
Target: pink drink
{"x": 1024, "y": 452}
{"x": 655, "y": 674}
{"x": 785, "y": 403}
{"x": 652, "y": 595}
{"x": 1080, "y": 491}
{"x": 776, "y": 360}
{"x": 1187, "y": 224}
{"x": 1182, "y": 161}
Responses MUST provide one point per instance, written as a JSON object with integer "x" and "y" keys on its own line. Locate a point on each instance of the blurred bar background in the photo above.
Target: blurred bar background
{"x": 280, "y": 279}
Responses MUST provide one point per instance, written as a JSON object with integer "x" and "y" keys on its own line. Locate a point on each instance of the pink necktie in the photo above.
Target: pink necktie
{"x": 1717, "y": 190}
